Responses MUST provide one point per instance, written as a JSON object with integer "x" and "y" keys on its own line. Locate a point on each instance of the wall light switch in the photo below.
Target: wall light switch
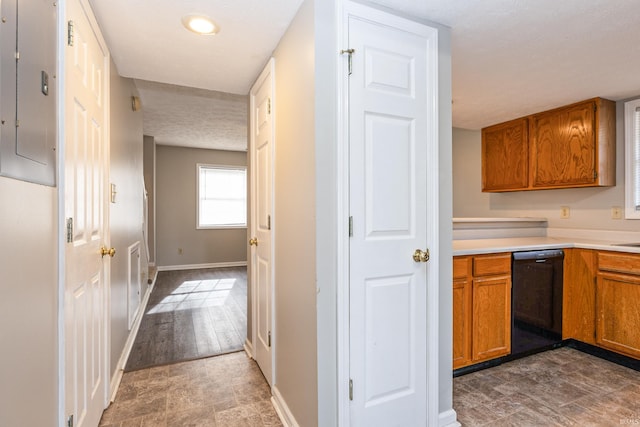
{"x": 616, "y": 212}
{"x": 564, "y": 212}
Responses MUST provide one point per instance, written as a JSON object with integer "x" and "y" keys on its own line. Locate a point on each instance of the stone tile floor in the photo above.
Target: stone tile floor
{"x": 562, "y": 387}
{"x": 221, "y": 391}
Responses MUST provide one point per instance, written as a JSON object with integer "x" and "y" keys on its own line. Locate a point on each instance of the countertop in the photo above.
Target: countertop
{"x": 514, "y": 244}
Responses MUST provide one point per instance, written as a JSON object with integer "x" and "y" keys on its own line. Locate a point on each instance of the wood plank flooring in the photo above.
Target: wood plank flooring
{"x": 192, "y": 314}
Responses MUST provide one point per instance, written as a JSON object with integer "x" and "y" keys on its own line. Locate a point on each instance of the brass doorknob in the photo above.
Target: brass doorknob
{"x": 104, "y": 251}
{"x": 421, "y": 256}
{"x": 253, "y": 242}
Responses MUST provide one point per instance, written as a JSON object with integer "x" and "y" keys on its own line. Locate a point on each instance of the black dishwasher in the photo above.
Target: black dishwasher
{"x": 536, "y": 300}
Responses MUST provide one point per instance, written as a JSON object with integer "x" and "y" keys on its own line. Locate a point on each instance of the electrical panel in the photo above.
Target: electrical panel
{"x": 28, "y": 41}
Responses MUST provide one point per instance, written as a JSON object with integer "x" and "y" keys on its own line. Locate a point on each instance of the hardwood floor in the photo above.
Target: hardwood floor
{"x": 562, "y": 387}
{"x": 192, "y": 314}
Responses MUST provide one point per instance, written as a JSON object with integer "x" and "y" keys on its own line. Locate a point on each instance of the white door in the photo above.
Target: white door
{"x": 392, "y": 107}
{"x": 261, "y": 152}
{"x": 86, "y": 271}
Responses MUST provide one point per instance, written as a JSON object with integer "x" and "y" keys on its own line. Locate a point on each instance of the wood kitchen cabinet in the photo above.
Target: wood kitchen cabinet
{"x": 579, "y": 295}
{"x": 618, "y": 303}
{"x": 568, "y": 147}
{"x": 481, "y": 308}
{"x": 505, "y": 156}
{"x": 462, "y": 311}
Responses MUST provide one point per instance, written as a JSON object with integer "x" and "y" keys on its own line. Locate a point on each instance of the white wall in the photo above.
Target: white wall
{"x": 295, "y": 219}
{"x": 126, "y": 214}
{"x": 590, "y": 207}
{"x": 28, "y": 305}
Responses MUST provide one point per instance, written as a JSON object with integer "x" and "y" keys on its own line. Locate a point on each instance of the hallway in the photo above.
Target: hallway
{"x": 222, "y": 391}
{"x": 170, "y": 378}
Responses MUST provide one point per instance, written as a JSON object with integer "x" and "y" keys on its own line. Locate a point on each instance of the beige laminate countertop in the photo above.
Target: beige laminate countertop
{"x": 515, "y": 244}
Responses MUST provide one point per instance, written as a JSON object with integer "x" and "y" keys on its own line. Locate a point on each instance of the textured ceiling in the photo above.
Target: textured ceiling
{"x": 509, "y": 57}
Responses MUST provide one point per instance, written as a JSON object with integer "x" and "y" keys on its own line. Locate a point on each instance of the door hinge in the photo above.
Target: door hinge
{"x": 17, "y": 56}
{"x": 350, "y": 226}
{"x": 269, "y": 340}
{"x": 350, "y": 389}
{"x": 70, "y": 421}
{"x": 595, "y": 174}
{"x": 268, "y": 222}
{"x": 70, "y": 33}
{"x": 69, "y": 230}
{"x": 350, "y": 52}
{"x": 268, "y": 105}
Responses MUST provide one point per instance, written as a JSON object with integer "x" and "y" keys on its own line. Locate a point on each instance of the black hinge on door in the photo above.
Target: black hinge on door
{"x": 269, "y": 339}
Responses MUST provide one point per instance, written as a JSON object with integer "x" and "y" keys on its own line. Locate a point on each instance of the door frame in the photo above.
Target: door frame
{"x": 60, "y": 199}
{"x": 269, "y": 69}
{"x": 346, "y": 9}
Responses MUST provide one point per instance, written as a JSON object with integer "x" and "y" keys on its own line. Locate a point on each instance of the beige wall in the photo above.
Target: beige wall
{"x": 590, "y": 207}
{"x": 126, "y": 214}
{"x": 295, "y": 211}
{"x": 29, "y": 304}
{"x": 176, "y": 195}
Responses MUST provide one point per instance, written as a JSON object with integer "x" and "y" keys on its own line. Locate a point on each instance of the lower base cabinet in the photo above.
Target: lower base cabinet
{"x": 601, "y": 302}
{"x": 618, "y": 303}
{"x": 481, "y": 308}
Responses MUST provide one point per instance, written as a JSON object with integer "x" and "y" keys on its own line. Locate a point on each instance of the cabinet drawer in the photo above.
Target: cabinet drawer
{"x": 460, "y": 267}
{"x": 487, "y": 265}
{"x": 619, "y": 262}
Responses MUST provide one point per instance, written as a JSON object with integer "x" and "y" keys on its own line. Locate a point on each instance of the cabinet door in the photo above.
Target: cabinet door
{"x": 563, "y": 147}
{"x": 461, "y": 311}
{"x": 579, "y": 295}
{"x": 505, "y": 156}
{"x": 491, "y": 317}
{"x": 618, "y": 313}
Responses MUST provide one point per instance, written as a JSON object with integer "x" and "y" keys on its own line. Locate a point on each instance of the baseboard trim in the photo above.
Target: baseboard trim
{"x": 448, "y": 419}
{"x": 199, "y": 266}
{"x": 248, "y": 348}
{"x": 128, "y": 346}
{"x": 285, "y": 415}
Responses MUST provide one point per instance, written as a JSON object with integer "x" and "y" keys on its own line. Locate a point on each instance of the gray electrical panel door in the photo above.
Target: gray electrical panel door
{"x": 27, "y": 90}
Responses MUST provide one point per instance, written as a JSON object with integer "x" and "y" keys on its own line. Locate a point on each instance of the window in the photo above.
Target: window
{"x": 222, "y": 196}
{"x": 632, "y": 158}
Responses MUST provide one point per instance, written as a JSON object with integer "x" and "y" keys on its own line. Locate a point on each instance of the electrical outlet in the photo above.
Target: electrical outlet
{"x": 616, "y": 212}
{"x": 179, "y": 251}
{"x": 564, "y": 212}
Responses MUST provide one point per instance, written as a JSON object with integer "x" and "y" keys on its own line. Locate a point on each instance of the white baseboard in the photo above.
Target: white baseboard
{"x": 128, "y": 346}
{"x": 285, "y": 415}
{"x": 248, "y": 348}
{"x": 199, "y": 266}
{"x": 448, "y": 419}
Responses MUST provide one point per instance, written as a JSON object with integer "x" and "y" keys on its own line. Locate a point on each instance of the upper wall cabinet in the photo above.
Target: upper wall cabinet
{"x": 27, "y": 90}
{"x": 568, "y": 147}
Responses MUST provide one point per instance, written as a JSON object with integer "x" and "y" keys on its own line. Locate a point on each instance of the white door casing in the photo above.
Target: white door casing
{"x": 393, "y": 138}
{"x": 262, "y": 109}
{"x": 85, "y": 179}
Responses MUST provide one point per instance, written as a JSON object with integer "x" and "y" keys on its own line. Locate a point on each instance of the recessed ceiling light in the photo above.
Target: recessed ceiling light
{"x": 200, "y": 24}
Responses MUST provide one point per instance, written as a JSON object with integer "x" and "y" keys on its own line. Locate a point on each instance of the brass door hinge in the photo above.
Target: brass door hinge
{"x": 70, "y": 33}
{"x": 350, "y": 52}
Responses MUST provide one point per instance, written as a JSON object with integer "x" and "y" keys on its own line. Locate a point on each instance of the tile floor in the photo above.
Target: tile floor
{"x": 221, "y": 391}
{"x": 562, "y": 387}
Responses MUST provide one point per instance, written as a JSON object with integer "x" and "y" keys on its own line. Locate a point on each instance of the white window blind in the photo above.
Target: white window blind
{"x": 222, "y": 196}
{"x": 632, "y": 159}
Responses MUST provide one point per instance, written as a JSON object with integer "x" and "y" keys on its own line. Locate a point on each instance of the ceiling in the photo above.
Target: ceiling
{"x": 509, "y": 58}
